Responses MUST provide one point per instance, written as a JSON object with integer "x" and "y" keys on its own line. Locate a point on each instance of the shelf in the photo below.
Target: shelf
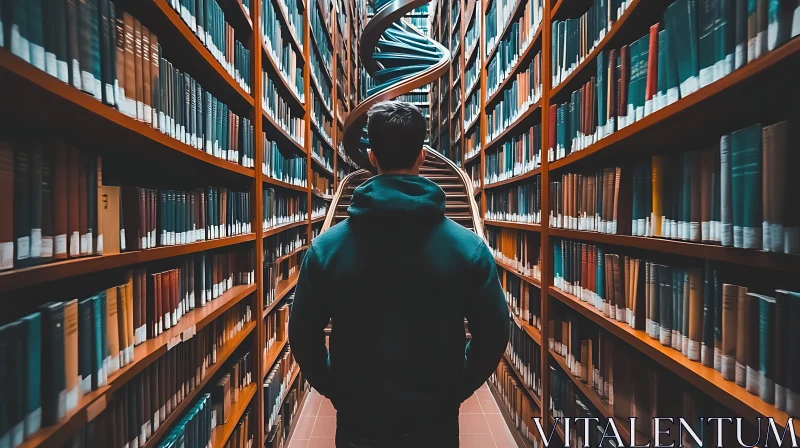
{"x": 512, "y": 270}
{"x": 316, "y": 128}
{"x": 221, "y": 434}
{"x": 245, "y": 14}
{"x": 529, "y": 174}
{"x": 321, "y": 59}
{"x": 91, "y": 404}
{"x": 514, "y": 225}
{"x": 290, "y": 254}
{"x": 76, "y": 112}
{"x": 315, "y": 84}
{"x": 532, "y": 331}
{"x": 597, "y": 49}
{"x": 294, "y": 40}
{"x": 505, "y": 29}
{"x": 285, "y": 135}
{"x": 198, "y": 47}
{"x": 530, "y": 392}
{"x": 227, "y": 350}
{"x": 474, "y": 157}
{"x": 272, "y": 355}
{"x": 706, "y": 379}
{"x": 280, "y": 183}
{"x": 318, "y": 219}
{"x": 745, "y": 257}
{"x": 278, "y": 229}
{"x": 522, "y": 58}
{"x": 320, "y": 195}
{"x": 36, "y": 275}
{"x": 325, "y": 169}
{"x": 509, "y": 420}
{"x": 535, "y": 107}
{"x": 697, "y": 104}
{"x": 299, "y": 104}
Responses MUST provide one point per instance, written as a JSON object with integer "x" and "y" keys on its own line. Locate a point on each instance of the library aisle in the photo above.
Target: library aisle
{"x": 481, "y": 425}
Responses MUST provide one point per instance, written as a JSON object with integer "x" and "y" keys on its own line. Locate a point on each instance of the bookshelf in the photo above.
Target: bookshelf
{"x": 238, "y": 63}
{"x": 751, "y": 93}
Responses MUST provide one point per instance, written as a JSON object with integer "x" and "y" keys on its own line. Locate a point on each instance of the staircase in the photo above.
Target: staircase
{"x": 460, "y": 205}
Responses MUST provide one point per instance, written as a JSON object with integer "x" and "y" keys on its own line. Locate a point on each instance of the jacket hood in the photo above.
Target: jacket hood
{"x": 397, "y": 197}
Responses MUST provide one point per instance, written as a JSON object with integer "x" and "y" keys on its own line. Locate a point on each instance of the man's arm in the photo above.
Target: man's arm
{"x": 487, "y": 314}
{"x": 307, "y": 324}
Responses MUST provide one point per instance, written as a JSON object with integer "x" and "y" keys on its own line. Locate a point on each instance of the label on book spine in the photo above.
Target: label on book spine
{"x": 6, "y": 255}
{"x": 23, "y": 248}
{"x": 47, "y": 247}
{"x": 18, "y": 434}
{"x": 33, "y": 421}
{"x": 751, "y": 237}
{"x": 51, "y": 64}
{"x": 61, "y": 410}
{"x": 752, "y": 378}
{"x": 19, "y": 44}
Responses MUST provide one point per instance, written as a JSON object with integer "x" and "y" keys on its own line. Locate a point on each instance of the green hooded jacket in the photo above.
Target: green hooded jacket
{"x": 397, "y": 279}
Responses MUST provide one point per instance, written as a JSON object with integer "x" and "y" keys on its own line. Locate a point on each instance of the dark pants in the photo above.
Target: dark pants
{"x": 444, "y": 435}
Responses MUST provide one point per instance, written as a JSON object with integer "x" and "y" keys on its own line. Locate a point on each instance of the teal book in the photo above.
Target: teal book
{"x": 641, "y": 84}
{"x": 600, "y": 279}
{"x": 682, "y": 18}
{"x": 746, "y": 187}
{"x": 677, "y": 308}
{"x": 85, "y": 344}
{"x": 766, "y": 347}
{"x": 661, "y": 79}
{"x": 6, "y": 362}
{"x": 717, "y": 290}
{"x": 707, "y": 345}
{"x": 35, "y": 35}
{"x": 97, "y": 343}
{"x": 706, "y": 14}
{"x": 16, "y": 381}
{"x": 602, "y": 88}
{"x": 32, "y": 334}
{"x": 633, "y": 80}
{"x": 671, "y": 67}
{"x": 106, "y": 352}
{"x": 724, "y": 39}
{"x": 779, "y": 18}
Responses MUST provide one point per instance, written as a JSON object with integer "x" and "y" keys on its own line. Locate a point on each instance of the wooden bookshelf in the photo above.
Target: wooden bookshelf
{"x": 513, "y": 225}
{"x": 223, "y": 432}
{"x": 530, "y": 392}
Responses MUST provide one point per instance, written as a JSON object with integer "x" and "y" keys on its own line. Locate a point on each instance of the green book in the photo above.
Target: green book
{"x": 85, "y": 345}
{"x": 97, "y": 343}
{"x": 661, "y": 80}
{"x": 665, "y": 319}
{"x": 641, "y": 85}
{"x": 106, "y": 352}
{"x": 724, "y": 38}
{"x": 20, "y": 46}
{"x": 633, "y": 80}
{"x": 779, "y": 16}
{"x": 746, "y": 187}
{"x": 682, "y": 18}
{"x": 54, "y": 382}
{"x": 706, "y": 15}
{"x": 685, "y": 301}
{"x": 671, "y": 66}
{"x": 787, "y": 384}
{"x": 34, "y": 15}
{"x": 32, "y": 372}
{"x": 677, "y": 308}
{"x": 766, "y": 347}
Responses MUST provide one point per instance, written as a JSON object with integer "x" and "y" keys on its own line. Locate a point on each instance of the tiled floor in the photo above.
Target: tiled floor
{"x": 481, "y": 424}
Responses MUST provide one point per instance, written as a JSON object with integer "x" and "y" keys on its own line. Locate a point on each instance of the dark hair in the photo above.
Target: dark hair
{"x": 397, "y": 132}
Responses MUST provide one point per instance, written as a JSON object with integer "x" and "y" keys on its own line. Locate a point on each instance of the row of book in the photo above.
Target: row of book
{"x": 207, "y": 21}
{"x": 734, "y": 195}
{"x": 276, "y": 273}
{"x": 277, "y": 384}
{"x": 691, "y": 310}
{"x": 276, "y": 38}
{"x": 471, "y": 72}
{"x": 284, "y": 243}
{"x": 524, "y": 300}
{"x": 516, "y": 41}
{"x": 416, "y": 98}
{"x": 631, "y": 386}
{"x": 472, "y": 143}
{"x": 322, "y": 184}
{"x": 574, "y": 39}
{"x": 516, "y": 401}
{"x": 322, "y": 152}
{"x": 526, "y": 355}
{"x": 496, "y": 18}
{"x": 519, "y": 154}
{"x": 281, "y": 111}
{"x": 278, "y": 435}
{"x": 516, "y": 203}
{"x": 156, "y": 218}
{"x": 671, "y": 62}
{"x": 321, "y": 118}
{"x": 276, "y": 325}
{"x": 243, "y": 435}
{"x": 472, "y": 109}
{"x": 319, "y": 207}
{"x": 321, "y": 82}
{"x": 229, "y": 384}
{"x": 476, "y": 176}
{"x": 518, "y": 249}
{"x": 291, "y": 169}
{"x": 283, "y": 207}
{"x": 472, "y": 33}
{"x": 524, "y": 91}
{"x": 320, "y": 34}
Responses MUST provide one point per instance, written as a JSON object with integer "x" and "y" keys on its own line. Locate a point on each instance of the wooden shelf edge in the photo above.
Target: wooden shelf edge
{"x": 171, "y": 15}
{"x": 278, "y": 229}
{"x": 226, "y": 352}
{"x": 597, "y": 49}
{"x": 283, "y": 287}
{"x": 221, "y": 434}
{"x": 280, "y": 183}
{"x": 708, "y": 380}
{"x": 87, "y": 103}
{"x": 290, "y": 254}
{"x": 516, "y": 67}
{"x": 513, "y": 270}
{"x": 514, "y": 225}
{"x": 34, "y": 275}
{"x": 272, "y": 356}
{"x": 532, "y": 331}
{"x": 287, "y": 87}
{"x": 530, "y": 392}
{"x": 505, "y": 29}
{"x": 285, "y": 134}
{"x": 749, "y": 70}
{"x": 531, "y": 173}
{"x": 745, "y": 257}
{"x": 318, "y": 219}
{"x": 530, "y": 110}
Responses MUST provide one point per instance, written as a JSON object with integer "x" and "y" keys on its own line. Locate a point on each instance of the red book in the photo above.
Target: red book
{"x": 552, "y": 126}
{"x": 652, "y": 64}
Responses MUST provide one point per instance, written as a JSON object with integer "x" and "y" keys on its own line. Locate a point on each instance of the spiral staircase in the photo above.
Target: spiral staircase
{"x": 400, "y": 58}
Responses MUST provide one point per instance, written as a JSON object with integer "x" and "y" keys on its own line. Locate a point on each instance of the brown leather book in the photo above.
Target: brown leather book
{"x": 137, "y": 67}
{"x": 137, "y": 318}
{"x": 60, "y": 198}
{"x": 108, "y": 219}
{"x": 6, "y": 206}
{"x": 775, "y": 141}
{"x": 71, "y": 353}
{"x": 730, "y": 307}
{"x": 112, "y": 329}
{"x": 74, "y": 201}
{"x": 706, "y": 193}
{"x": 146, "y": 411}
{"x": 652, "y": 64}
{"x": 695, "y": 313}
{"x": 155, "y": 80}
{"x": 621, "y": 364}
{"x": 123, "y": 308}
{"x": 83, "y": 201}
{"x": 752, "y": 335}
{"x": 147, "y": 98}
{"x": 130, "y": 63}
{"x": 166, "y": 299}
{"x": 622, "y": 105}
{"x": 119, "y": 48}
{"x": 616, "y": 219}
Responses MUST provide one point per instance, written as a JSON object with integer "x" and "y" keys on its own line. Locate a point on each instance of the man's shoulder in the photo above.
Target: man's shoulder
{"x": 458, "y": 237}
{"x": 330, "y": 240}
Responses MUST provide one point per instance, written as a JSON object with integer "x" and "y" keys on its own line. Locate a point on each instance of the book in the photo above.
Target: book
{"x": 7, "y": 205}
{"x": 517, "y": 249}
{"x": 515, "y": 203}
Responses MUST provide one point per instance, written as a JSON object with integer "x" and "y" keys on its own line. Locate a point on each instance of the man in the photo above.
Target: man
{"x": 396, "y": 280}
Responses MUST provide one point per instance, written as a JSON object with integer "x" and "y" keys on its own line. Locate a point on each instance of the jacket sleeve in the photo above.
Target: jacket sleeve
{"x": 487, "y": 317}
{"x": 307, "y": 323}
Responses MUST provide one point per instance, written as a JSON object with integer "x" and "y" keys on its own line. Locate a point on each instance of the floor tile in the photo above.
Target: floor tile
{"x": 471, "y": 406}
{"x": 489, "y": 406}
{"x": 472, "y": 424}
{"x": 476, "y": 441}
{"x": 298, "y": 443}
{"x": 322, "y": 442}
{"x": 484, "y": 394}
{"x": 326, "y": 408}
{"x": 312, "y": 403}
{"x": 500, "y": 431}
{"x": 324, "y": 427}
{"x": 304, "y": 427}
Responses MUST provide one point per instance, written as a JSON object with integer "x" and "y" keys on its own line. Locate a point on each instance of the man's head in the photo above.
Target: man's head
{"x": 397, "y": 132}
